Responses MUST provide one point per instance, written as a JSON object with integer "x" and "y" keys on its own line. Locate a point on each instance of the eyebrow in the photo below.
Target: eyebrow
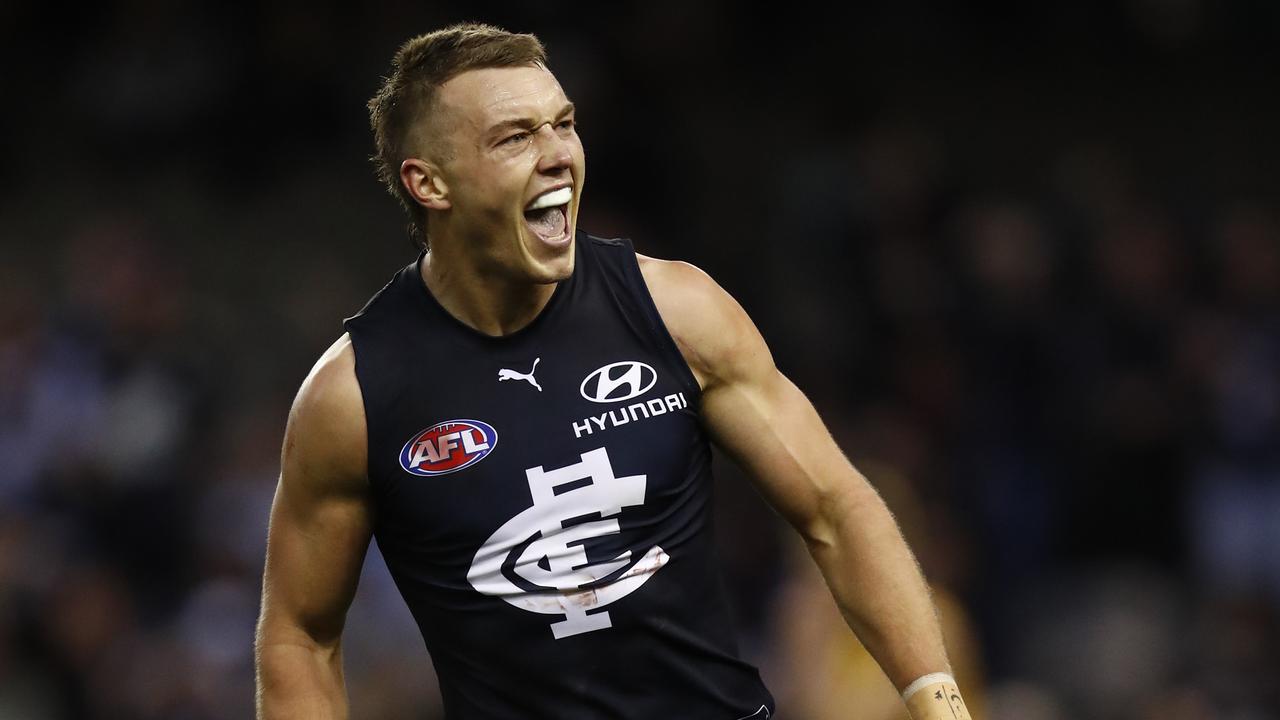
{"x": 526, "y": 123}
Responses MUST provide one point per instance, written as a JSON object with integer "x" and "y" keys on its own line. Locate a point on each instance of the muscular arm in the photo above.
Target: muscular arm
{"x": 320, "y": 530}
{"x": 769, "y": 427}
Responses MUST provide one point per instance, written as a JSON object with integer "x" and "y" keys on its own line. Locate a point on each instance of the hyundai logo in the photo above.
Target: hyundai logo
{"x": 618, "y": 381}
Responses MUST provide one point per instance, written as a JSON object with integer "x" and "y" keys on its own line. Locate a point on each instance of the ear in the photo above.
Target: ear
{"x": 422, "y": 180}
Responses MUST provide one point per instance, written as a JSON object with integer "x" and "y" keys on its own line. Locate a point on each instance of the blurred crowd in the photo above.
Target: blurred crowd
{"x": 1026, "y": 262}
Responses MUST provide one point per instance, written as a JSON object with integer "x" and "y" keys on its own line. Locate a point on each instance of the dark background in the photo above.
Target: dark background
{"x": 1024, "y": 257}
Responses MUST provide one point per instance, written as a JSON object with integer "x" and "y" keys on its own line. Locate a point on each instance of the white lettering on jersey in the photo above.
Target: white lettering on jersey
{"x": 634, "y": 412}
{"x": 430, "y": 451}
{"x": 553, "y": 557}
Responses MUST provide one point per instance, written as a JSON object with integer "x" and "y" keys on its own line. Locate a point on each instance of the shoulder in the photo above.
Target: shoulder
{"x": 715, "y": 335}
{"x": 325, "y": 437}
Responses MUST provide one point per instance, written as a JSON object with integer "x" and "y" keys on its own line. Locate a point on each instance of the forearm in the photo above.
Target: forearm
{"x": 879, "y": 587}
{"x": 300, "y": 680}
{"x": 883, "y": 596}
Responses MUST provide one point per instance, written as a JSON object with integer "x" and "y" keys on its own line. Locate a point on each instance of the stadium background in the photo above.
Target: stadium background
{"x": 1025, "y": 258}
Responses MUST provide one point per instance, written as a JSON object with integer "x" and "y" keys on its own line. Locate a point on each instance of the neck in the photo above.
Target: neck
{"x": 489, "y": 302}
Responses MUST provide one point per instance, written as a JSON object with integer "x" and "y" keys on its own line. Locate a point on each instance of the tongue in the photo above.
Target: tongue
{"x": 549, "y": 223}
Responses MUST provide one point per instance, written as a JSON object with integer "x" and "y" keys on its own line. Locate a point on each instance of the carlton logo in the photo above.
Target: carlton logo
{"x": 448, "y": 447}
{"x": 618, "y": 381}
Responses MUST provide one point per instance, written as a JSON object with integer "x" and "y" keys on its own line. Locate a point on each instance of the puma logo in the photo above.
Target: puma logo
{"x": 505, "y": 374}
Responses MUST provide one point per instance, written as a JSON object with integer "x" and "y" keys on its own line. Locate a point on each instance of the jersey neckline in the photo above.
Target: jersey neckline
{"x": 432, "y": 304}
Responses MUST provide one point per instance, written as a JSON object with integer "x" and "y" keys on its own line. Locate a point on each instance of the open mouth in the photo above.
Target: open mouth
{"x": 548, "y": 215}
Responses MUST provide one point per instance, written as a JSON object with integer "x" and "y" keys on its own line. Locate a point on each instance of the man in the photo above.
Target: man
{"x": 521, "y": 417}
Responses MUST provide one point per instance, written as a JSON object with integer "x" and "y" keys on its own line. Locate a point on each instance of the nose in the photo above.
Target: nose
{"x": 556, "y": 153}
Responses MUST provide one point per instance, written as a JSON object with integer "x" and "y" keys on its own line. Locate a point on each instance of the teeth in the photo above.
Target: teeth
{"x": 552, "y": 199}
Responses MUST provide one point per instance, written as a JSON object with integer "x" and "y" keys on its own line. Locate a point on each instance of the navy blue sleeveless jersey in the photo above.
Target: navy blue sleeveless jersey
{"x": 543, "y": 502}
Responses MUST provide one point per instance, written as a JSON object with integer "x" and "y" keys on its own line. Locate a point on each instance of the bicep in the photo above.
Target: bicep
{"x": 321, "y": 518}
{"x": 315, "y": 549}
{"x": 767, "y": 425}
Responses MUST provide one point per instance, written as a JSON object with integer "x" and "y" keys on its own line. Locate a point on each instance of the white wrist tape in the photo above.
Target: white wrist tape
{"x": 925, "y": 681}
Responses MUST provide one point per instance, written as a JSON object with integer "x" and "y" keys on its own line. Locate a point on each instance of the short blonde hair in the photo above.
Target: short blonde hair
{"x": 407, "y": 95}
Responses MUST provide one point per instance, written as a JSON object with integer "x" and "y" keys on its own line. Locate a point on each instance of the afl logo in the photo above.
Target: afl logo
{"x": 448, "y": 447}
{"x": 618, "y": 381}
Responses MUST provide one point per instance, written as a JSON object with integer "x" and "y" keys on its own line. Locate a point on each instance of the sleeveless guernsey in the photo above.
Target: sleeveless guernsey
{"x": 542, "y": 500}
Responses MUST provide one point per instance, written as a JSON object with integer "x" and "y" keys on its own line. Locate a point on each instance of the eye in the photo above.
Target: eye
{"x": 515, "y": 139}
{"x": 566, "y": 124}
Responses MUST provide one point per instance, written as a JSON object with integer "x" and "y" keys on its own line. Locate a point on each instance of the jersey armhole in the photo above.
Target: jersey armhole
{"x": 364, "y": 400}
{"x": 657, "y": 325}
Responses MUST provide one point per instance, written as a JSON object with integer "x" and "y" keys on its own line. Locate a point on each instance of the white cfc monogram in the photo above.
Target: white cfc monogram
{"x": 540, "y": 548}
